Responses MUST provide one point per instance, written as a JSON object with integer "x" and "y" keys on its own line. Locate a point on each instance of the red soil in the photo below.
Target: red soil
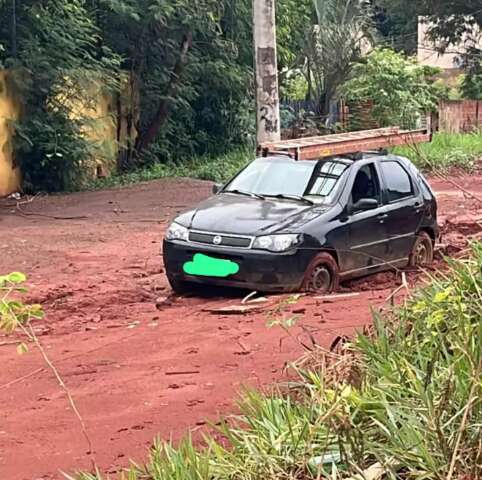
{"x": 99, "y": 277}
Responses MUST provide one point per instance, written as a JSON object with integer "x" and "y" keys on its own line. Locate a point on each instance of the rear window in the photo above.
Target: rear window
{"x": 425, "y": 187}
{"x": 397, "y": 180}
{"x": 326, "y": 178}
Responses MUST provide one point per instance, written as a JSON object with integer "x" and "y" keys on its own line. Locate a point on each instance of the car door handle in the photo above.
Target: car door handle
{"x": 382, "y": 217}
{"x": 418, "y": 207}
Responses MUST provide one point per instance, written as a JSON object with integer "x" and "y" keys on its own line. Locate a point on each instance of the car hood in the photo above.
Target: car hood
{"x": 230, "y": 213}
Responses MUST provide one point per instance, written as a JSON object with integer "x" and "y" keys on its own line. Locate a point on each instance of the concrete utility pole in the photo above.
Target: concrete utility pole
{"x": 267, "y": 98}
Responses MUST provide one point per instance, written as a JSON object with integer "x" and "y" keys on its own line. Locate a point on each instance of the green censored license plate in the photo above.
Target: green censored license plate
{"x": 206, "y": 266}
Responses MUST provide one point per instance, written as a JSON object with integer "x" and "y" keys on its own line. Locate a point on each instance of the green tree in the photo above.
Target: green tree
{"x": 397, "y": 86}
{"x": 189, "y": 62}
{"x": 451, "y": 23}
{"x": 56, "y": 53}
{"x": 343, "y": 28}
{"x": 189, "y": 65}
{"x": 397, "y": 23}
{"x": 471, "y": 85}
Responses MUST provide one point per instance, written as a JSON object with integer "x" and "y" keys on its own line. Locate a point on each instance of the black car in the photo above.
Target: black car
{"x": 282, "y": 224}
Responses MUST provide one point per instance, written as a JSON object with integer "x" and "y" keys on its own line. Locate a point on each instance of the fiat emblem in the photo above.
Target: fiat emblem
{"x": 217, "y": 240}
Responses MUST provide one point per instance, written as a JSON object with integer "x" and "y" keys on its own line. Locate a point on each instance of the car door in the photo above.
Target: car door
{"x": 367, "y": 234}
{"x": 404, "y": 205}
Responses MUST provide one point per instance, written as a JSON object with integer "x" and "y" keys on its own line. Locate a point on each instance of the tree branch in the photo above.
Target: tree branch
{"x": 146, "y": 138}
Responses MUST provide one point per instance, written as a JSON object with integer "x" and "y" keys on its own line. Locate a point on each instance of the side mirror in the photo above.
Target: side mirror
{"x": 364, "y": 204}
{"x": 217, "y": 188}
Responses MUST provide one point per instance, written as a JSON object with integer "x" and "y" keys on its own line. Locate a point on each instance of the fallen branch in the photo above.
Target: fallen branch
{"x": 437, "y": 172}
{"x": 24, "y": 377}
{"x": 44, "y": 215}
{"x": 30, "y": 333}
{"x": 403, "y": 285}
{"x": 186, "y": 372}
{"x": 337, "y": 296}
{"x": 441, "y": 175}
{"x": 233, "y": 309}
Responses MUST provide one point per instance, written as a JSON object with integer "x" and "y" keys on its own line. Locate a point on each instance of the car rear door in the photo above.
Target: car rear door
{"x": 404, "y": 208}
{"x": 367, "y": 233}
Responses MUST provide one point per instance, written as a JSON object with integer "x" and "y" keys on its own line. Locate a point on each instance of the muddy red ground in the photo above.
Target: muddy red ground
{"x": 99, "y": 276}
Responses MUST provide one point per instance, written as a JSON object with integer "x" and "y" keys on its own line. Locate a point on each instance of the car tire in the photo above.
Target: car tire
{"x": 178, "y": 286}
{"x": 422, "y": 251}
{"x": 322, "y": 274}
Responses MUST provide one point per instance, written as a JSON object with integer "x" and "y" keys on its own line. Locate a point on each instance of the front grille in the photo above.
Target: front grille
{"x": 220, "y": 240}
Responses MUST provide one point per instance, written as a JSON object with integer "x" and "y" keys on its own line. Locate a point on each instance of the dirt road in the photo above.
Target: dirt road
{"x": 138, "y": 370}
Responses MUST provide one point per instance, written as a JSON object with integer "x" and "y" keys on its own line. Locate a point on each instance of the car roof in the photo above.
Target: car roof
{"x": 346, "y": 159}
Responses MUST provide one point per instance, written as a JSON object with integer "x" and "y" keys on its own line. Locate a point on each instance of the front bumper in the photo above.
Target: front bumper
{"x": 258, "y": 269}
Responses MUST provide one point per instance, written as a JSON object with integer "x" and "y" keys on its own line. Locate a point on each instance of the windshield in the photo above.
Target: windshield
{"x": 318, "y": 181}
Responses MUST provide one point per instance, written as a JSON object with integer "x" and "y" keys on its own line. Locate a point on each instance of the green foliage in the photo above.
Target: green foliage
{"x": 294, "y": 87}
{"x": 218, "y": 168}
{"x": 451, "y": 19}
{"x": 399, "y": 88}
{"x": 397, "y": 23}
{"x": 57, "y": 58}
{"x": 293, "y": 20}
{"x": 461, "y": 150}
{"x": 342, "y": 29}
{"x": 424, "y": 378}
{"x": 14, "y": 313}
{"x": 471, "y": 85}
{"x": 207, "y": 111}
{"x": 59, "y": 48}
{"x": 416, "y": 407}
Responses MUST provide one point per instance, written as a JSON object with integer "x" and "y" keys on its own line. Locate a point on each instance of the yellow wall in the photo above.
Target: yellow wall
{"x": 10, "y": 179}
{"x": 101, "y": 118}
{"x": 101, "y": 131}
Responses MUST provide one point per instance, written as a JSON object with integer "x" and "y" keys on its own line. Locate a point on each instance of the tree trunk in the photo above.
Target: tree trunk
{"x": 150, "y": 133}
{"x": 14, "y": 29}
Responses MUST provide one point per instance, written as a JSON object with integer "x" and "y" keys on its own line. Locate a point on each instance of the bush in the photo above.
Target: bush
{"x": 399, "y": 88}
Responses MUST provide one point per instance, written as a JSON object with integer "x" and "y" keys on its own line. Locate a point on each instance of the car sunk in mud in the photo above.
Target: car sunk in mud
{"x": 283, "y": 225}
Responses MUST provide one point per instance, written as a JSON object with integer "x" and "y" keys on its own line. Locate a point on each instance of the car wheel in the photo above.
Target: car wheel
{"x": 422, "y": 251}
{"x": 322, "y": 274}
{"x": 178, "y": 286}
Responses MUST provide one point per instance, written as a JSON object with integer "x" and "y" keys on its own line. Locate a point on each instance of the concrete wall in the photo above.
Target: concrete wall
{"x": 10, "y": 178}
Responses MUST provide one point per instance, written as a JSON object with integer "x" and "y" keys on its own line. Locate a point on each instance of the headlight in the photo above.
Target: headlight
{"x": 277, "y": 243}
{"x": 177, "y": 232}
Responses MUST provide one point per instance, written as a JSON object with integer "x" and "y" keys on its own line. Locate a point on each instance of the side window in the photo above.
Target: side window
{"x": 398, "y": 182}
{"x": 366, "y": 184}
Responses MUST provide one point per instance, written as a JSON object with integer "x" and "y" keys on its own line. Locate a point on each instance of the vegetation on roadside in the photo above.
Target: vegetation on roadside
{"x": 463, "y": 151}
{"x": 215, "y": 168}
{"x": 405, "y": 399}
{"x": 398, "y": 88}
{"x": 446, "y": 150}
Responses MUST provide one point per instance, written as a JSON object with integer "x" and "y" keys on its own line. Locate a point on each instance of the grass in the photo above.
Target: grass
{"x": 215, "y": 168}
{"x": 461, "y": 150}
{"x": 407, "y": 398}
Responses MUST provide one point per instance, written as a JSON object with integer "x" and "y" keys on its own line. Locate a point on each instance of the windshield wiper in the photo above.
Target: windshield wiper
{"x": 292, "y": 197}
{"x": 244, "y": 192}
